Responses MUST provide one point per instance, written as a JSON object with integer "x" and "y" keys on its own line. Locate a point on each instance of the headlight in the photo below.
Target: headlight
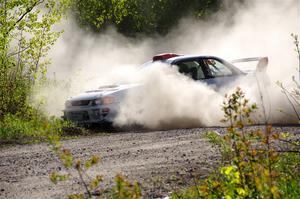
{"x": 68, "y": 104}
{"x": 98, "y": 101}
{"x": 108, "y": 100}
{"x": 105, "y": 100}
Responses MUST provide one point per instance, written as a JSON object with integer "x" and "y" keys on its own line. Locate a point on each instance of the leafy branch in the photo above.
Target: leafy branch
{"x": 27, "y": 11}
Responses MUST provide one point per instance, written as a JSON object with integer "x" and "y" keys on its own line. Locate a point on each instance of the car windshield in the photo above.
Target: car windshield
{"x": 216, "y": 68}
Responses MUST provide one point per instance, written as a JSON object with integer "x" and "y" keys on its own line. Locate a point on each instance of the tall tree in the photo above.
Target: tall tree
{"x": 132, "y": 17}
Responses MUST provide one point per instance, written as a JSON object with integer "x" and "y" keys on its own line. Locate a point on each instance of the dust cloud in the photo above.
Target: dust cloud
{"x": 84, "y": 61}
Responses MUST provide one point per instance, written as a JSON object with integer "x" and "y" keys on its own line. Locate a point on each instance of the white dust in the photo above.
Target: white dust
{"x": 84, "y": 61}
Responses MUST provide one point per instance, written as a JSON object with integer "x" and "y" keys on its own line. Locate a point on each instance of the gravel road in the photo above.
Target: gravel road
{"x": 160, "y": 161}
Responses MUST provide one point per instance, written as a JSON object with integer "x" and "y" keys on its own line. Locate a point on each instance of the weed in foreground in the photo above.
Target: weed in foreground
{"x": 122, "y": 189}
{"x": 254, "y": 165}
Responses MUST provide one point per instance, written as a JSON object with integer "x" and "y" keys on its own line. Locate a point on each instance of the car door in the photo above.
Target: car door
{"x": 191, "y": 68}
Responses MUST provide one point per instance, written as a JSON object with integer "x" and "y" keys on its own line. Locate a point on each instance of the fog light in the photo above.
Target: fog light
{"x": 97, "y": 113}
{"x": 105, "y": 110}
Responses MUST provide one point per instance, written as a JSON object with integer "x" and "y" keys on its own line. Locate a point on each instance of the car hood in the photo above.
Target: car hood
{"x": 102, "y": 91}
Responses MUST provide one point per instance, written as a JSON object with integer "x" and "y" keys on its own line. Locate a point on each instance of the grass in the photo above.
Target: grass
{"x": 15, "y": 129}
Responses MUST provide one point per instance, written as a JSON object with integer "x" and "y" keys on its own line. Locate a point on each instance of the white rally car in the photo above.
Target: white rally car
{"x": 101, "y": 105}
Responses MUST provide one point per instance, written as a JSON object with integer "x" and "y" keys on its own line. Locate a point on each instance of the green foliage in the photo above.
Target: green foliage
{"x": 132, "y": 17}
{"x": 254, "y": 166}
{"x": 221, "y": 144}
{"x": 16, "y": 129}
{"x": 26, "y": 36}
{"x": 122, "y": 189}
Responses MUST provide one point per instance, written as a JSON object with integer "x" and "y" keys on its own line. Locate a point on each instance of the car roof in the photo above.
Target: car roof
{"x": 177, "y": 58}
{"x": 184, "y": 57}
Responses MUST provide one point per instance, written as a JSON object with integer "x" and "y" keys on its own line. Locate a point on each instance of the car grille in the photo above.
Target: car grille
{"x": 80, "y": 103}
{"x": 78, "y": 115}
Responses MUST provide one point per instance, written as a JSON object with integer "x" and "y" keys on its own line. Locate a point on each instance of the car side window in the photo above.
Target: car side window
{"x": 192, "y": 69}
{"x": 216, "y": 68}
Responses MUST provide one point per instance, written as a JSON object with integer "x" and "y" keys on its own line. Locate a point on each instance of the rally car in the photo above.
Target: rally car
{"x": 101, "y": 105}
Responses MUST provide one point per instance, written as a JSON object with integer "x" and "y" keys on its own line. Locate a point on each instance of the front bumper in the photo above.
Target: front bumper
{"x": 91, "y": 114}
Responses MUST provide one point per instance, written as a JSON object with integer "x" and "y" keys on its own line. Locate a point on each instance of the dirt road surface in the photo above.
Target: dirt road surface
{"x": 160, "y": 161}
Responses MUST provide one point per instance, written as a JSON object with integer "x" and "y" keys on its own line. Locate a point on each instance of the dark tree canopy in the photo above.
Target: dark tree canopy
{"x": 132, "y": 17}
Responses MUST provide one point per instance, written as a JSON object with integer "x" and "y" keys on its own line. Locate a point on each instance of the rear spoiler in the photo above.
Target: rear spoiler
{"x": 261, "y": 65}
